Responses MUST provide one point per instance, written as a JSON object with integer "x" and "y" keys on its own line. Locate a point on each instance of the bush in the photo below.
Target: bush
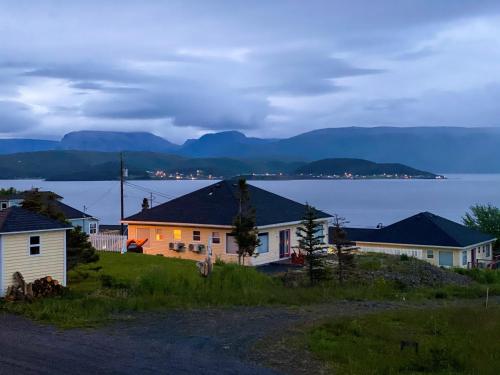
{"x": 482, "y": 276}
{"x": 404, "y": 257}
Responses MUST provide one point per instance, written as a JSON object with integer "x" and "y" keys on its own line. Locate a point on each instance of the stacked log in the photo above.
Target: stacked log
{"x": 22, "y": 291}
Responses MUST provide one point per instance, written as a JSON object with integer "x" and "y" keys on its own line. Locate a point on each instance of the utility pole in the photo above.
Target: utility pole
{"x": 122, "y": 214}
{"x": 150, "y": 200}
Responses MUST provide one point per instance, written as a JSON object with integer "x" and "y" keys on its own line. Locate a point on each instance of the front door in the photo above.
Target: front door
{"x": 284, "y": 243}
{"x": 473, "y": 257}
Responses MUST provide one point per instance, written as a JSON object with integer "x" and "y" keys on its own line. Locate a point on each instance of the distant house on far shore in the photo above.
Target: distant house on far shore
{"x": 77, "y": 218}
{"x": 186, "y": 226}
{"x": 429, "y": 237}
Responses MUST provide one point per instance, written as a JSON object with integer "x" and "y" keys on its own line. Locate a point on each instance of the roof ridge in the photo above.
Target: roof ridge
{"x": 443, "y": 230}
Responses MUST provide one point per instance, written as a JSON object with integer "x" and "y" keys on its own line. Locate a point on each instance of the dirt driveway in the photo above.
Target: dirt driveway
{"x": 209, "y": 341}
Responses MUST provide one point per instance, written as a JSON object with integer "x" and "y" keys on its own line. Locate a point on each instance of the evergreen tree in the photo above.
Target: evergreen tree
{"x": 343, "y": 248}
{"x": 311, "y": 242}
{"x": 145, "y": 204}
{"x": 245, "y": 230}
{"x": 78, "y": 247}
{"x": 485, "y": 218}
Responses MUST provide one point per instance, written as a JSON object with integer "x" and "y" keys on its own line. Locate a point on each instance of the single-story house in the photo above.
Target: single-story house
{"x": 32, "y": 244}
{"x": 77, "y": 218}
{"x": 429, "y": 237}
{"x": 88, "y": 223}
{"x": 186, "y": 226}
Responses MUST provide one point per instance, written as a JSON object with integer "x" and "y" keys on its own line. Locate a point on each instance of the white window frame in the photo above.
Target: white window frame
{"x": 216, "y": 237}
{"x": 39, "y": 245}
{"x": 263, "y": 234}
{"x": 464, "y": 257}
{"x": 92, "y": 228}
{"x": 198, "y": 235}
{"x": 2, "y": 205}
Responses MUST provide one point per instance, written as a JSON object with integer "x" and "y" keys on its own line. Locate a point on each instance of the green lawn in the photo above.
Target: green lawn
{"x": 120, "y": 284}
{"x": 462, "y": 340}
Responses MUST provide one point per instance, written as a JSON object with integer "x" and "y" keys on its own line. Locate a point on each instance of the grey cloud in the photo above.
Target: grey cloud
{"x": 186, "y": 103}
{"x": 15, "y": 117}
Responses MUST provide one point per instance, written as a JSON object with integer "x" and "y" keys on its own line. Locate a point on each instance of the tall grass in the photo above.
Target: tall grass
{"x": 450, "y": 340}
{"x": 120, "y": 284}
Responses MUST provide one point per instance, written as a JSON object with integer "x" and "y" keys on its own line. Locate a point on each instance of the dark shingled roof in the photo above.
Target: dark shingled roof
{"x": 17, "y": 219}
{"x": 217, "y": 204}
{"x": 422, "y": 229}
{"x": 70, "y": 212}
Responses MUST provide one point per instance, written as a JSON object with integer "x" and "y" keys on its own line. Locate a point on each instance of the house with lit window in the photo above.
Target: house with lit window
{"x": 186, "y": 227}
{"x": 32, "y": 244}
{"x": 77, "y": 218}
{"x": 428, "y": 237}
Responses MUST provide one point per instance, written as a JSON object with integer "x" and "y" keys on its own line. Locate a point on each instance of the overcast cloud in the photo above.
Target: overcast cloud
{"x": 268, "y": 68}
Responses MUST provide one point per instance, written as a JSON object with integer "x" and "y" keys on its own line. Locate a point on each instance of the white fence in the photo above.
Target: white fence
{"x": 109, "y": 242}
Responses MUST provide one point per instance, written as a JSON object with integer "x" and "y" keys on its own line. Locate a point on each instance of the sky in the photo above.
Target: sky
{"x": 181, "y": 69}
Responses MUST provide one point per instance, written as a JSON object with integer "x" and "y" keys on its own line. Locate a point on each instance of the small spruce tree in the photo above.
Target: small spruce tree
{"x": 145, "y": 204}
{"x": 343, "y": 248}
{"x": 311, "y": 242}
{"x": 78, "y": 247}
{"x": 245, "y": 230}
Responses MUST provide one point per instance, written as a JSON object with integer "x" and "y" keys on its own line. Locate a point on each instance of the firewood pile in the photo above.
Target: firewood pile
{"x": 22, "y": 291}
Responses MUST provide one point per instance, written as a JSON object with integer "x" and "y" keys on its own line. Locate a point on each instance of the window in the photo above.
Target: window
{"x": 430, "y": 254}
{"x": 196, "y": 235}
{"x": 231, "y": 245}
{"x": 319, "y": 232}
{"x": 93, "y": 228}
{"x": 4, "y": 205}
{"x": 215, "y": 237}
{"x": 34, "y": 245}
{"x": 264, "y": 243}
{"x": 464, "y": 258}
{"x": 159, "y": 235}
{"x": 177, "y": 235}
{"x": 446, "y": 258}
{"x": 488, "y": 247}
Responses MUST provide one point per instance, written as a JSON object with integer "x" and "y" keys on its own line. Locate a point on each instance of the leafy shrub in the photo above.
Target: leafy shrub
{"x": 404, "y": 257}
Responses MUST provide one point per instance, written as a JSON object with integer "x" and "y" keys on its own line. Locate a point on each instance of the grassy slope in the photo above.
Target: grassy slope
{"x": 451, "y": 340}
{"x": 134, "y": 282}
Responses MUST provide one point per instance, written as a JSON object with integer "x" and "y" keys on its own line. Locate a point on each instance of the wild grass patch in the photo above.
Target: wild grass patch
{"x": 439, "y": 341}
{"x": 120, "y": 284}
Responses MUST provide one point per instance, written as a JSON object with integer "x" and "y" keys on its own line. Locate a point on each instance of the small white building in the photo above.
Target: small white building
{"x": 429, "y": 237}
{"x": 32, "y": 244}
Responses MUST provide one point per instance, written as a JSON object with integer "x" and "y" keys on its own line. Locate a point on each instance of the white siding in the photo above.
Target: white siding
{"x": 16, "y": 258}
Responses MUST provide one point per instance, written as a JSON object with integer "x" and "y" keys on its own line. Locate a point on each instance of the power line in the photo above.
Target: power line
{"x": 147, "y": 190}
{"x": 102, "y": 196}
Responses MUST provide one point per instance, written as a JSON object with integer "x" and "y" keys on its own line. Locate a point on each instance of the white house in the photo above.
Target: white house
{"x": 77, "y": 218}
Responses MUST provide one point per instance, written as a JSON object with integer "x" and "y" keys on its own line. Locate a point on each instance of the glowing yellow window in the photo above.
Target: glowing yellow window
{"x": 177, "y": 235}
{"x": 158, "y": 235}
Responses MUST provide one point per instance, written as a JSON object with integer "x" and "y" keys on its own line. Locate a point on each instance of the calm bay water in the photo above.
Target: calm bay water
{"x": 363, "y": 203}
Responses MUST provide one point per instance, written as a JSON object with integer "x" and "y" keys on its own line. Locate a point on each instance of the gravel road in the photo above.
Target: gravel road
{"x": 208, "y": 341}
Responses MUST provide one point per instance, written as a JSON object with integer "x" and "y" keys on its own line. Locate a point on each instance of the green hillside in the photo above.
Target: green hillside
{"x": 68, "y": 165}
{"x": 358, "y": 167}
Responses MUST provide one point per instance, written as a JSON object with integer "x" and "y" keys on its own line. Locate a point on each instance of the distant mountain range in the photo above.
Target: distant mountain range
{"x": 441, "y": 149}
{"x": 69, "y": 165}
